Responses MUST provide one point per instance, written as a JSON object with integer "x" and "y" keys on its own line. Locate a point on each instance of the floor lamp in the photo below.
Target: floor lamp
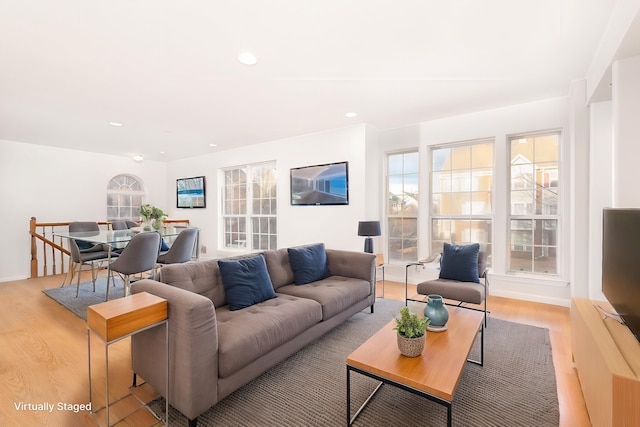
{"x": 369, "y": 229}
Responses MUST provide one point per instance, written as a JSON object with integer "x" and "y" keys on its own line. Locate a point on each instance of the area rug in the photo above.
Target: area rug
{"x": 66, "y": 295}
{"x": 515, "y": 387}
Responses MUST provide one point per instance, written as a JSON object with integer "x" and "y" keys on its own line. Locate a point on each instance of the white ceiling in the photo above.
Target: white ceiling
{"x": 168, "y": 70}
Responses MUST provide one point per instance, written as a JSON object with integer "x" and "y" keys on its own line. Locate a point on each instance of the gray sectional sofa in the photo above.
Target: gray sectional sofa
{"x": 216, "y": 347}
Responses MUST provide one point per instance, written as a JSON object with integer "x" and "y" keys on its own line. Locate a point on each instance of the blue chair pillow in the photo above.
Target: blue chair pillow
{"x": 309, "y": 264}
{"x": 246, "y": 281}
{"x": 163, "y": 246}
{"x": 460, "y": 262}
{"x": 84, "y": 245}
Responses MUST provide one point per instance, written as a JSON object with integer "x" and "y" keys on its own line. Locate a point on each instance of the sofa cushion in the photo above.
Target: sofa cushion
{"x": 308, "y": 263}
{"x": 202, "y": 277}
{"x": 278, "y": 266}
{"x": 245, "y": 335}
{"x": 335, "y": 294}
{"x": 470, "y": 292}
{"x": 460, "y": 262}
{"x": 246, "y": 281}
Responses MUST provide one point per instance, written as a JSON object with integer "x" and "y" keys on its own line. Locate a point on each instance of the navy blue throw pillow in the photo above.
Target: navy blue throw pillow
{"x": 460, "y": 262}
{"x": 163, "y": 246}
{"x": 309, "y": 264}
{"x": 246, "y": 281}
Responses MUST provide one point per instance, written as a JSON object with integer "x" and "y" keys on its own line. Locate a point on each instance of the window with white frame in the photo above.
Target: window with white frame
{"x": 402, "y": 206}
{"x": 462, "y": 194}
{"x": 534, "y": 210}
{"x": 125, "y": 194}
{"x": 249, "y": 209}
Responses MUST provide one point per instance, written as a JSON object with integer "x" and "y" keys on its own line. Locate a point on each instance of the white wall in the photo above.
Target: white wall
{"x": 600, "y": 189}
{"x": 54, "y": 184}
{"x": 577, "y": 209}
{"x": 336, "y": 226}
{"x": 626, "y": 130}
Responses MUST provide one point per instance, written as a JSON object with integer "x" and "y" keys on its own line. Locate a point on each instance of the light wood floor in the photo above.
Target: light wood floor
{"x": 43, "y": 357}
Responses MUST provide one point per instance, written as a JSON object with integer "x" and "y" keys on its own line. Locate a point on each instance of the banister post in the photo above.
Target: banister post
{"x": 34, "y": 248}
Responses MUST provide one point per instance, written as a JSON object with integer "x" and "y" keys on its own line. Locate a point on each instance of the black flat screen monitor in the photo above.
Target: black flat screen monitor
{"x": 191, "y": 193}
{"x": 320, "y": 184}
{"x": 621, "y": 264}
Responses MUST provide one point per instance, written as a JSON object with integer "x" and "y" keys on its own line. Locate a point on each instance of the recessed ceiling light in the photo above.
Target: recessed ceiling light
{"x": 248, "y": 58}
{"x": 213, "y": 145}
{"x": 351, "y": 115}
{"x": 162, "y": 152}
{"x": 116, "y": 124}
{"x": 138, "y": 157}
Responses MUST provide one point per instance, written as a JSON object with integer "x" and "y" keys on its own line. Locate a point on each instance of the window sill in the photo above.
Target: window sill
{"x": 530, "y": 279}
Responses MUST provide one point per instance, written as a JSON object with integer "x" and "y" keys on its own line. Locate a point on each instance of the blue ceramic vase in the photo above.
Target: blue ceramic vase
{"x": 436, "y": 311}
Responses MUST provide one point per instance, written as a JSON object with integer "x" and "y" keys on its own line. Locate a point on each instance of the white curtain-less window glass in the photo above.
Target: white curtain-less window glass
{"x": 534, "y": 210}
{"x": 461, "y": 195}
{"x": 249, "y": 207}
{"x": 402, "y": 206}
{"x": 125, "y": 194}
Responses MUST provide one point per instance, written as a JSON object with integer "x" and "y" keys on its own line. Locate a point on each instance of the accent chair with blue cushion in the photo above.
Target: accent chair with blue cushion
{"x": 461, "y": 268}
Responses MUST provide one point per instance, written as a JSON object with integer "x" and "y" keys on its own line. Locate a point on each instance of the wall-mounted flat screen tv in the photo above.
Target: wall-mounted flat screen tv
{"x": 320, "y": 184}
{"x": 191, "y": 192}
{"x": 620, "y": 266}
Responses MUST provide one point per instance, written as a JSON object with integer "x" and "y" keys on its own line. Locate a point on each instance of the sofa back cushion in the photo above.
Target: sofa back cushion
{"x": 202, "y": 277}
{"x": 279, "y": 268}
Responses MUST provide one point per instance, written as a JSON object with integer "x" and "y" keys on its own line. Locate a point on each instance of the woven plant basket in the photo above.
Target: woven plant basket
{"x": 411, "y": 347}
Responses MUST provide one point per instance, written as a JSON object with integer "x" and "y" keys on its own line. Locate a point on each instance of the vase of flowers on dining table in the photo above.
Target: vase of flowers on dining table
{"x": 151, "y": 217}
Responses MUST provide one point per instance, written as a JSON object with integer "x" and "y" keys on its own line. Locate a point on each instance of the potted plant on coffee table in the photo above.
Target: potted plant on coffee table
{"x": 411, "y": 332}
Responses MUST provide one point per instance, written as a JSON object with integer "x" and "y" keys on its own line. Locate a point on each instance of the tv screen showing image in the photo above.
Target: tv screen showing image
{"x": 320, "y": 184}
{"x": 620, "y": 266}
{"x": 190, "y": 193}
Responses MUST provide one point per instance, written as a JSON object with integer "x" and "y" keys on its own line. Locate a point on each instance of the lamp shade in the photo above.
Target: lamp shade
{"x": 369, "y": 228}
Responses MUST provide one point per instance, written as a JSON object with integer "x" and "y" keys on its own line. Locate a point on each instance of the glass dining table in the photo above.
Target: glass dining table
{"x": 114, "y": 239}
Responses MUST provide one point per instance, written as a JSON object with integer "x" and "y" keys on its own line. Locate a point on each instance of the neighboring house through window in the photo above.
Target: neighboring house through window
{"x": 402, "y": 206}
{"x": 125, "y": 194}
{"x": 461, "y": 194}
{"x": 249, "y": 209}
{"x": 534, "y": 209}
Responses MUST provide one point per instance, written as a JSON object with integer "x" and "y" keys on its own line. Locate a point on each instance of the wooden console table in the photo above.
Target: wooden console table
{"x": 607, "y": 358}
{"x": 115, "y": 320}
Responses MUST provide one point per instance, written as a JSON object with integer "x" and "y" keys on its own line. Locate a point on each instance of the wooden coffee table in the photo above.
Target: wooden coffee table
{"x": 434, "y": 374}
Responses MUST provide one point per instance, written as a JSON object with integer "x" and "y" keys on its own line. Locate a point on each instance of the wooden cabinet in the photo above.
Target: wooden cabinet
{"x": 607, "y": 358}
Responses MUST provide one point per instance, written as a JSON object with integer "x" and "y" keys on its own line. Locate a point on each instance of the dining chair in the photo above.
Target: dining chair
{"x": 88, "y": 253}
{"x": 79, "y": 258}
{"x": 140, "y": 255}
{"x": 86, "y": 226}
{"x": 182, "y": 248}
{"x": 119, "y": 225}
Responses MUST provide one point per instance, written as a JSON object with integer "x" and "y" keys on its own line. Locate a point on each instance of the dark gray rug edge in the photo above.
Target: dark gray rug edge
{"x": 66, "y": 295}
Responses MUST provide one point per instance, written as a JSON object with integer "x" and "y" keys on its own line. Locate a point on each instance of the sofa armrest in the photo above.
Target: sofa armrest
{"x": 193, "y": 349}
{"x": 359, "y": 265}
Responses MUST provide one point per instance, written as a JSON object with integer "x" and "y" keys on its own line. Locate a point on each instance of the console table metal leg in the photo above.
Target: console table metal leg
{"x": 89, "y": 353}
{"x": 106, "y": 381}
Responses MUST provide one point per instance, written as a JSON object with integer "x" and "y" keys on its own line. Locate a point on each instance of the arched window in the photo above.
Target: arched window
{"x": 125, "y": 194}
